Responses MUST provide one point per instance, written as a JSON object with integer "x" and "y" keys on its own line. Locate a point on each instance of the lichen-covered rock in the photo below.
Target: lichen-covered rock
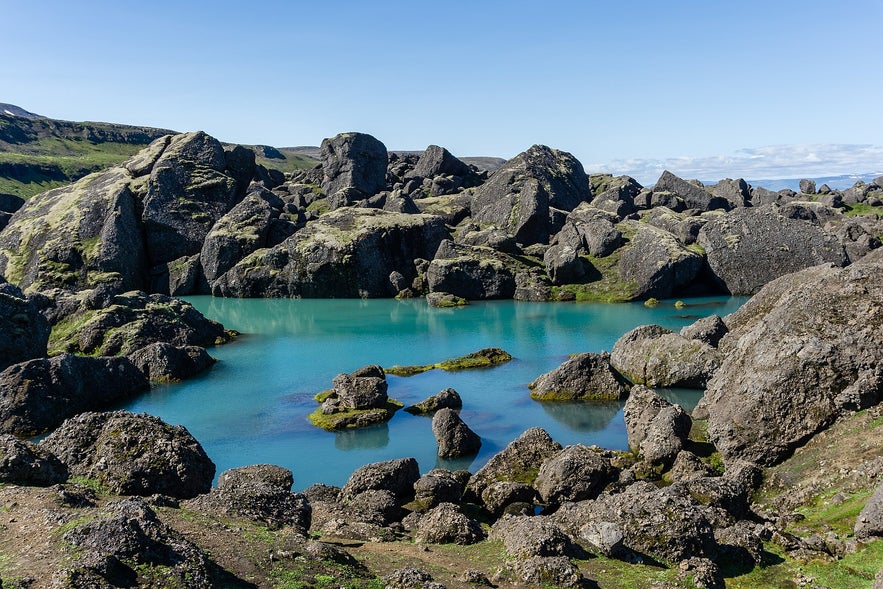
{"x": 794, "y": 361}
{"x": 736, "y": 191}
{"x": 656, "y": 263}
{"x": 518, "y": 197}
{"x": 586, "y": 376}
{"x": 353, "y": 161}
{"x": 528, "y": 536}
{"x": 24, "y": 332}
{"x": 411, "y": 578}
{"x": 472, "y": 272}
{"x": 446, "y": 524}
{"x": 694, "y": 197}
{"x": 365, "y": 388}
{"x": 350, "y": 252}
{"x": 77, "y": 237}
{"x": 445, "y": 300}
{"x": 447, "y": 398}
{"x": 164, "y": 362}
{"x": 520, "y": 461}
{"x": 655, "y": 428}
{"x": 577, "y": 473}
{"x": 132, "y": 454}
{"x": 751, "y": 246}
{"x": 564, "y": 265}
{"x": 603, "y": 537}
{"x": 132, "y": 321}
{"x": 437, "y": 161}
{"x": 591, "y": 230}
{"x": 658, "y": 357}
{"x": 615, "y": 194}
{"x": 555, "y": 571}
{"x": 37, "y": 395}
{"x": 684, "y": 226}
{"x": 439, "y": 486}
{"x": 397, "y": 476}
{"x": 453, "y": 436}
{"x": 24, "y": 463}
{"x": 708, "y": 329}
{"x": 687, "y": 466}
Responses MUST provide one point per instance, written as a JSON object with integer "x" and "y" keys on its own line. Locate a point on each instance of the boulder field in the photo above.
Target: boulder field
{"x": 774, "y": 479}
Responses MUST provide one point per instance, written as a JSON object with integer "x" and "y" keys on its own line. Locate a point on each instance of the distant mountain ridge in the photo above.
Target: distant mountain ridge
{"x": 16, "y": 111}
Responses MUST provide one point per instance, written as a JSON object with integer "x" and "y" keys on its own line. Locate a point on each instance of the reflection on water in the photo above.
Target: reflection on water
{"x": 376, "y": 436}
{"x": 583, "y": 417}
{"x": 686, "y": 398}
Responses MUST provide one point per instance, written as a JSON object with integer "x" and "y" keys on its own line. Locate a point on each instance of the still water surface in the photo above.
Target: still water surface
{"x": 252, "y": 406}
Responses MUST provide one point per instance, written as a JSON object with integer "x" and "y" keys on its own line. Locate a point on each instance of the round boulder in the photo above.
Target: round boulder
{"x": 454, "y": 437}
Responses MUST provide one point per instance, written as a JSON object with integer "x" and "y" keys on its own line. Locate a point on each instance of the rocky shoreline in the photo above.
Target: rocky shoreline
{"x": 88, "y": 318}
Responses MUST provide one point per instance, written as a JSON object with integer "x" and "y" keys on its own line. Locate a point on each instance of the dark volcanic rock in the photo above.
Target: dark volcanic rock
{"x": 472, "y": 272}
{"x": 397, "y": 476}
{"x": 353, "y": 162}
{"x": 656, "y": 263}
{"x": 363, "y": 389}
{"x": 655, "y": 428}
{"x": 736, "y": 191}
{"x": 448, "y": 398}
{"x": 590, "y": 230}
{"x": 132, "y": 454}
{"x": 694, "y": 197}
{"x": 658, "y": 357}
{"x": 345, "y": 253}
{"x": 24, "y": 332}
{"x": 24, "y": 463}
{"x": 684, "y": 226}
{"x": 577, "y": 473}
{"x": 803, "y": 351}
{"x": 749, "y": 247}
{"x": 497, "y": 497}
{"x": 517, "y": 462}
{"x": 436, "y": 161}
{"x": 518, "y": 197}
{"x": 446, "y": 524}
{"x": 439, "y": 486}
{"x": 164, "y": 362}
{"x": 76, "y": 237}
{"x": 563, "y": 265}
{"x": 453, "y": 436}
{"x": 586, "y": 376}
{"x": 37, "y": 395}
{"x": 188, "y": 191}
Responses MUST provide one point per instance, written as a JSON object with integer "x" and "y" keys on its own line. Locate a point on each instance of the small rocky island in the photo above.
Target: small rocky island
{"x": 775, "y": 479}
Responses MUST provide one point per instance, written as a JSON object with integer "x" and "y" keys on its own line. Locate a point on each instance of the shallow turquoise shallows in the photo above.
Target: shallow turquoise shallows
{"x": 252, "y": 407}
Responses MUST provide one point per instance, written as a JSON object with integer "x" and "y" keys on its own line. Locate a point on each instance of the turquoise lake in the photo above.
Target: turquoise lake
{"x": 252, "y": 406}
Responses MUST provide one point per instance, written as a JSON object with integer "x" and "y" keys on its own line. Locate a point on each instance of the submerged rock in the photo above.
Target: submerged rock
{"x": 586, "y": 376}
{"x": 448, "y": 398}
{"x": 357, "y": 400}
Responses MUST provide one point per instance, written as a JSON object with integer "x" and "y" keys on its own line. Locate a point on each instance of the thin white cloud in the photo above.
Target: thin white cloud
{"x": 769, "y": 162}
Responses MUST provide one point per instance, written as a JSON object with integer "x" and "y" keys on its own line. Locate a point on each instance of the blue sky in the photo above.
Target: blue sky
{"x": 625, "y": 86}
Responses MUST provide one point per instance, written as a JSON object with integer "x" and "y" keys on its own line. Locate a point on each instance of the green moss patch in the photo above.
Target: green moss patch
{"x": 354, "y": 418}
{"x": 484, "y": 358}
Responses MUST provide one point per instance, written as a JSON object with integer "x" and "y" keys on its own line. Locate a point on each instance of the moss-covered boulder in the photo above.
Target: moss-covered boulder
{"x": 473, "y": 272}
{"x": 132, "y": 454}
{"x": 24, "y": 332}
{"x": 356, "y": 400}
{"x": 483, "y": 358}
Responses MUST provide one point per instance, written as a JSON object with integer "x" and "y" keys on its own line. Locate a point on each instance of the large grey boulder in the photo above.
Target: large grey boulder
{"x": 527, "y": 536}
{"x": 590, "y": 230}
{"x": 397, "y": 476}
{"x": 869, "y": 523}
{"x": 24, "y": 332}
{"x": 803, "y": 351}
{"x": 751, "y": 246}
{"x": 694, "y": 196}
{"x": 132, "y": 454}
{"x": 437, "y": 161}
{"x": 37, "y": 395}
{"x": 586, "y": 376}
{"x": 353, "y": 161}
{"x": 164, "y": 362}
{"x": 517, "y": 462}
{"x": 577, "y": 473}
{"x": 349, "y": 252}
{"x": 656, "y": 264}
{"x": 365, "y": 388}
{"x": 684, "y": 226}
{"x": 615, "y": 195}
{"x": 563, "y": 265}
{"x": 472, "y": 272}
{"x": 439, "y": 486}
{"x": 736, "y": 191}
{"x": 519, "y": 196}
{"x": 25, "y": 463}
{"x": 446, "y": 524}
{"x": 453, "y": 436}
{"x": 658, "y": 357}
{"x": 504, "y": 496}
{"x": 656, "y": 429}
{"x": 709, "y": 330}
{"x": 77, "y": 236}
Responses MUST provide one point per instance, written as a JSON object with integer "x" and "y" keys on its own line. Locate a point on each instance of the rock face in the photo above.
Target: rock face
{"x": 24, "y": 463}
{"x": 517, "y": 462}
{"x": 656, "y": 263}
{"x": 577, "y": 473}
{"x": 694, "y": 197}
{"x": 794, "y": 361}
{"x": 163, "y": 362}
{"x": 472, "y": 272}
{"x": 132, "y": 454}
{"x": 586, "y": 376}
{"x": 353, "y": 162}
{"x": 345, "y": 253}
{"x": 658, "y": 357}
{"x": 453, "y": 436}
{"x": 76, "y": 237}
{"x": 24, "y": 332}
{"x": 519, "y": 196}
{"x": 37, "y": 395}
{"x": 655, "y": 428}
{"x": 752, "y": 246}
{"x": 709, "y": 330}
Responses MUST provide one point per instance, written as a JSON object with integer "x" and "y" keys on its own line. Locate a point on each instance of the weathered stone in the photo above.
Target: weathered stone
{"x": 436, "y": 161}
{"x": 655, "y": 428}
{"x": 438, "y": 486}
{"x": 695, "y": 197}
{"x": 353, "y": 161}
{"x": 24, "y": 463}
{"x": 397, "y": 476}
{"x": 656, "y": 263}
{"x": 603, "y": 537}
{"x": 528, "y": 536}
{"x": 472, "y": 272}
{"x": 447, "y": 398}
{"x": 410, "y": 578}
{"x": 520, "y": 461}
{"x": 132, "y": 454}
{"x": 453, "y": 436}
{"x": 708, "y": 330}
{"x": 586, "y": 376}
{"x": 556, "y": 571}
{"x": 870, "y": 520}
{"x": 563, "y": 265}
{"x": 736, "y": 191}
{"x": 575, "y": 474}
{"x": 658, "y": 357}
{"x": 363, "y": 389}
{"x": 164, "y": 362}
{"x": 24, "y": 332}
{"x": 446, "y": 524}
{"x": 498, "y": 496}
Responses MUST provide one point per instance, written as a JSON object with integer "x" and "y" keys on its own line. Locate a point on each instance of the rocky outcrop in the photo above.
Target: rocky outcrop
{"x": 736, "y": 191}
{"x": 472, "y": 272}
{"x": 519, "y": 461}
{"x": 448, "y": 398}
{"x": 346, "y": 253}
{"x": 357, "y": 400}
{"x": 797, "y": 356}
{"x": 24, "y": 332}
{"x": 519, "y": 196}
{"x": 37, "y": 395}
{"x": 446, "y": 524}
{"x": 354, "y": 167}
{"x": 751, "y": 246}
{"x": 590, "y": 230}
{"x": 132, "y": 454}
{"x": 575, "y": 474}
{"x": 24, "y": 463}
{"x": 658, "y": 357}
{"x": 656, "y": 429}
{"x": 586, "y": 376}
{"x": 693, "y": 195}
{"x": 164, "y": 362}
{"x": 656, "y": 264}
{"x": 396, "y": 476}
{"x": 453, "y": 436}
{"x": 869, "y": 523}
{"x": 615, "y": 195}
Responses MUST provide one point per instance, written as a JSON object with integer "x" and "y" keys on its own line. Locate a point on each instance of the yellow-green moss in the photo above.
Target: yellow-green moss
{"x": 484, "y": 358}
